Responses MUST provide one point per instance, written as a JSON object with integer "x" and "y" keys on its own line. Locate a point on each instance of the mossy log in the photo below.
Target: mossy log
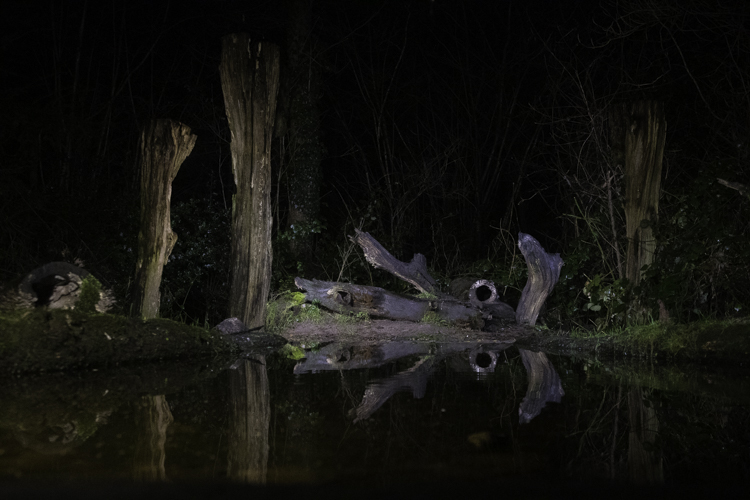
{"x": 347, "y": 298}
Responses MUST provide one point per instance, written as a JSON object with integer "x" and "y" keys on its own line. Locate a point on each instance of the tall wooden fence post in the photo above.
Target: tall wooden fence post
{"x": 164, "y": 145}
{"x": 250, "y": 82}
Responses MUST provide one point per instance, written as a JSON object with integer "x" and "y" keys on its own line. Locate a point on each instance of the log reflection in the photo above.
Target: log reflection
{"x": 153, "y": 417}
{"x": 544, "y": 385}
{"x": 249, "y": 416}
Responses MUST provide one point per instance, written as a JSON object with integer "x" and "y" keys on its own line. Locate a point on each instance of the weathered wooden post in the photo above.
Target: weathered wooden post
{"x": 164, "y": 145}
{"x": 250, "y": 82}
{"x": 639, "y": 131}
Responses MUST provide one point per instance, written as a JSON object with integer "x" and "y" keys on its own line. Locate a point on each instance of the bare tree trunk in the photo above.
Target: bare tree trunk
{"x": 164, "y": 146}
{"x": 639, "y": 131}
{"x": 250, "y": 82}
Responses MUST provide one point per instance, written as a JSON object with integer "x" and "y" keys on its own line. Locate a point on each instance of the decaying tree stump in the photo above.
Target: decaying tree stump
{"x": 544, "y": 271}
{"x": 163, "y": 147}
{"x": 250, "y": 82}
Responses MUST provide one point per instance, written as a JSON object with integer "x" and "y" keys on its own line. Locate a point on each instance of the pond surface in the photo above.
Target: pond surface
{"x": 380, "y": 417}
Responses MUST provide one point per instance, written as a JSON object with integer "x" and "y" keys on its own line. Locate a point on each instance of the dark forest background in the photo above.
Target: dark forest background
{"x": 440, "y": 127}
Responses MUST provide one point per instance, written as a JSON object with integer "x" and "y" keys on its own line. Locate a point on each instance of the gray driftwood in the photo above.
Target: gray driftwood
{"x": 481, "y": 301}
{"x": 415, "y": 272}
{"x": 347, "y": 298}
{"x": 544, "y": 271}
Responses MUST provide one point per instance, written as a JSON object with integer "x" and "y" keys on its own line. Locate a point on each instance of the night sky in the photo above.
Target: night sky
{"x": 444, "y": 124}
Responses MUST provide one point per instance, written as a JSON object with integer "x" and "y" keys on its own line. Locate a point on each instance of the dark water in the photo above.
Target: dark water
{"x": 381, "y": 417}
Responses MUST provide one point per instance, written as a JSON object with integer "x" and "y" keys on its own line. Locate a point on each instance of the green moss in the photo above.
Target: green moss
{"x": 352, "y": 319}
{"x": 90, "y": 294}
{"x": 714, "y": 338}
{"x": 292, "y": 352}
{"x": 310, "y": 313}
{"x": 432, "y": 318}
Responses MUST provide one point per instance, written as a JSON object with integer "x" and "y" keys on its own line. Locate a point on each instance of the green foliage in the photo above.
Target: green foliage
{"x": 195, "y": 283}
{"x": 612, "y": 299}
{"x": 702, "y": 263}
{"x": 89, "y": 297}
{"x": 353, "y": 319}
{"x": 302, "y": 230}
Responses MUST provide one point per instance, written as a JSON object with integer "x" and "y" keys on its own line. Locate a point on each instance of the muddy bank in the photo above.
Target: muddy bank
{"x": 703, "y": 342}
{"x": 381, "y": 331}
{"x": 50, "y": 340}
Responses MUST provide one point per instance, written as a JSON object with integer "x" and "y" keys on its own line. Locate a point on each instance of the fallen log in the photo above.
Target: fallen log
{"x": 483, "y": 300}
{"x": 483, "y": 295}
{"x": 347, "y": 298}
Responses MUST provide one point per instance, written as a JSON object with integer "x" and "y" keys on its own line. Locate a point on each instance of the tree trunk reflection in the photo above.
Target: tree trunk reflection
{"x": 644, "y": 459}
{"x": 153, "y": 417}
{"x": 250, "y": 412}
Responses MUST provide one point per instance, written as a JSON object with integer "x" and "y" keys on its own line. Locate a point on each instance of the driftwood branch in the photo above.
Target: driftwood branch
{"x": 743, "y": 190}
{"x": 544, "y": 271}
{"x": 415, "y": 272}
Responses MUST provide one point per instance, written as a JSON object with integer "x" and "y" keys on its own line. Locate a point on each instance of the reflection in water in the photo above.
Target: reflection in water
{"x": 624, "y": 421}
{"x": 644, "y": 459}
{"x": 544, "y": 385}
{"x": 249, "y": 416}
{"x": 153, "y": 417}
{"x": 481, "y": 360}
{"x": 377, "y": 393}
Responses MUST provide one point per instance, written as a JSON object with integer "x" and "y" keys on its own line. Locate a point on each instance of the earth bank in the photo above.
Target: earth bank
{"x": 48, "y": 340}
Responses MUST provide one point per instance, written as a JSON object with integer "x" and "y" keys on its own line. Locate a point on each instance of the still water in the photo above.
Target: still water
{"x": 381, "y": 416}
